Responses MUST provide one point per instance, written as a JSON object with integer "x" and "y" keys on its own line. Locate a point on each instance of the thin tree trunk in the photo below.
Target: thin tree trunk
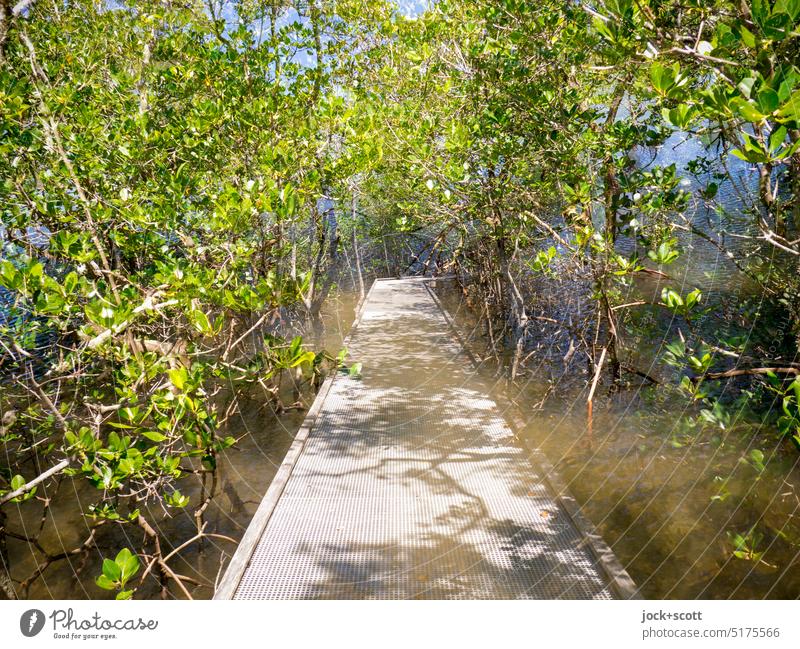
{"x": 6, "y": 584}
{"x": 356, "y": 253}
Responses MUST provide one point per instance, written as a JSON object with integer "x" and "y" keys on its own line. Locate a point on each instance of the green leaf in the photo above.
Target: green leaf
{"x": 128, "y": 563}
{"x": 305, "y": 357}
{"x": 154, "y": 436}
{"x": 790, "y": 111}
{"x": 789, "y": 7}
{"x": 667, "y": 82}
{"x": 10, "y": 278}
{"x": 200, "y": 321}
{"x": 677, "y": 347}
{"x": 788, "y": 152}
{"x": 747, "y": 110}
{"x": 71, "y": 283}
{"x": 768, "y": 101}
{"x": 680, "y": 116}
{"x": 757, "y": 458}
{"x": 746, "y": 86}
{"x": 748, "y": 38}
{"x": 777, "y": 138}
{"x": 111, "y": 570}
{"x": 664, "y": 254}
{"x": 777, "y": 27}
{"x": 177, "y": 499}
{"x": 657, "y": 76}
{"x": 752, "y": 151}
{"x": 178, "y": 377}
{"x": 671, "y": 298}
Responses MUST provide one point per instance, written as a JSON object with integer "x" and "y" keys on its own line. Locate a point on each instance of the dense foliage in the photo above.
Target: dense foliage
{"x": 163, "y": 228}
{"x": 572, "y": 159}
{"x": 176, "y": 179}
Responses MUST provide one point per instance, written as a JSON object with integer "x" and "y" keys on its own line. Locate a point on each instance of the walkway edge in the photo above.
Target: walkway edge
{"x": 619, "y": 579}
{"x": 241, "y": 558}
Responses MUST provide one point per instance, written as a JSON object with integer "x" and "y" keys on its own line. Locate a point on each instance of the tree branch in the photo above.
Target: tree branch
{"x": 58, "y": 468}
{"x": 752, "y": 371}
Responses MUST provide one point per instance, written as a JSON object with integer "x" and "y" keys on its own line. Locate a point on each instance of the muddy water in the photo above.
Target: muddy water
{"x": 245, "y": 472}
{"x": 668, "y": 502}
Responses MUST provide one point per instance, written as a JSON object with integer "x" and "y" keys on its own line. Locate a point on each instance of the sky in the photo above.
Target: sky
{"x": 412, "y": 7}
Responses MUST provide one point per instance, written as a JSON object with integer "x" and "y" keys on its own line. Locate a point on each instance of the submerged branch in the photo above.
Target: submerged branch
{"x": 753, "y": 371}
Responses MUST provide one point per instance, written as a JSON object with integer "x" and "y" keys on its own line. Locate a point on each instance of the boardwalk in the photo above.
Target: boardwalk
{"x": 408, "y": 483}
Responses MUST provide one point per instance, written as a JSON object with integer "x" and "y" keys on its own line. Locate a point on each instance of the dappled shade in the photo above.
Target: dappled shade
{"x": 411, "y": 485}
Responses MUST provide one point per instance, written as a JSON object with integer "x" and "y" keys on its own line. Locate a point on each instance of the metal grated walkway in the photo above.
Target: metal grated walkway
{"x": 408, "y": 483}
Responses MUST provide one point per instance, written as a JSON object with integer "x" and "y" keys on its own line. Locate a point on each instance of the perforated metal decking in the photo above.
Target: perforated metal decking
{"x": 407, "y": 483}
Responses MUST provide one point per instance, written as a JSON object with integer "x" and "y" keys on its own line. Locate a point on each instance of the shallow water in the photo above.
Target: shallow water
{"x": 245, "y": 472}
